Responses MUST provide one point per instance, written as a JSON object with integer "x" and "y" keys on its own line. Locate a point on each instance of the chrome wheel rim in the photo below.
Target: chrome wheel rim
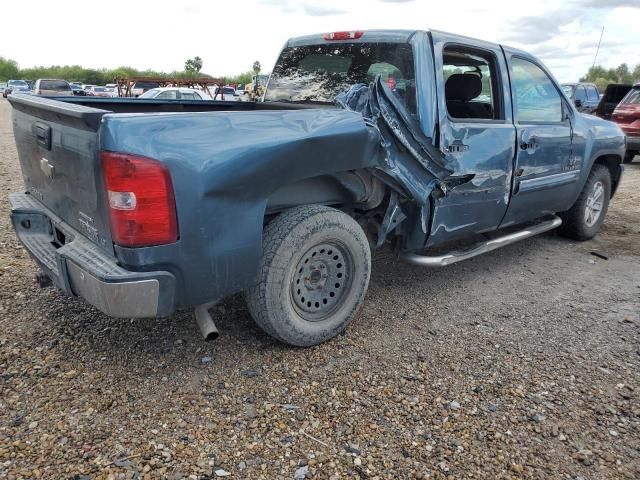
{"x": 321, "y": 281}
{"x": 595, "y": 202}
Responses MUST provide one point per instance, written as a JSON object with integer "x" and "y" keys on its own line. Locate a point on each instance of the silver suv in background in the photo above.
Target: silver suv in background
{"x": 17, "y": 85}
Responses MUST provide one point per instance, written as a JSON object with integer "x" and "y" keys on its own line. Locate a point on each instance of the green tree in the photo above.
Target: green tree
{"x": 242, "y": 78}
{"x": 193, "y": 65}
{"x": 595, "y": 72}
{"x": 602, "y": 77}
{"x": 623, "y": 74}
{"x": 8, "y": 69}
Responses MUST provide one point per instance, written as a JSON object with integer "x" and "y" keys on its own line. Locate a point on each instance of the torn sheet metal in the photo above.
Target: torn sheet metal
{"x": 410, "y": 158}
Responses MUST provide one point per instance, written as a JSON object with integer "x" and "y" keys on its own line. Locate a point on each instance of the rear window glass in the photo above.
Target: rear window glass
{"x": 592, "y": 93}
{"x": 318, "y": 73}
{"x": 615, "y": 93}
{"x": 99, "y": 89}
{"x": 633, "y": 97}
{"x": 146, "y": 85}
{"x": 54, "y": 85}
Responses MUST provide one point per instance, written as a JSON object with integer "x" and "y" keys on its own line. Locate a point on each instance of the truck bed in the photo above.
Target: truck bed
{"x": 145, "y": 105}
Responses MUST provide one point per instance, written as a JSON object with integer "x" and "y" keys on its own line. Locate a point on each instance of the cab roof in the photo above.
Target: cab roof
{"x": 387, "y": 36}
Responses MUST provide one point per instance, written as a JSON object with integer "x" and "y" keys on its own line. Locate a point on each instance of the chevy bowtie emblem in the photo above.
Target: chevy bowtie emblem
{"x": 46, "y": 167}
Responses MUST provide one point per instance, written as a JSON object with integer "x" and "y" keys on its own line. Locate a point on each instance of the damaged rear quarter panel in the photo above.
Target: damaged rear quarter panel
{"x": 224, "y": 167}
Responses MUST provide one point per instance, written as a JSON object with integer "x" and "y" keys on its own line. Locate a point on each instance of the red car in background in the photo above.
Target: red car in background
{"x": 627, "y": 115}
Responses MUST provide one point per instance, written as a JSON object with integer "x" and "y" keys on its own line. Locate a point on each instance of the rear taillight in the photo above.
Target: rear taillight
{"x": 142, "y": 206}
{"x": 352, "y": 35}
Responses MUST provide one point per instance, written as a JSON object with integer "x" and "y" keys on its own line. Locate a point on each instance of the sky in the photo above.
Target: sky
{"x": 230, "y": 36}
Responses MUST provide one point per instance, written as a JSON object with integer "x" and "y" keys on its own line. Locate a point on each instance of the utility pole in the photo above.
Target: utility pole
{"x": 598, "y": 49}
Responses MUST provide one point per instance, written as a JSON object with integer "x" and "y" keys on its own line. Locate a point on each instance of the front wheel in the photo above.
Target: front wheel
{"x": 314, "y": 273}
{"x": 585, "y": 218}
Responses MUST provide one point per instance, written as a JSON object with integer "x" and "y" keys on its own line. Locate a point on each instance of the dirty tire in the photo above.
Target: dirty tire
{"x": 316, "y": 251}
{"x": 629, "y": 156}
{"x": 574, "y": 222}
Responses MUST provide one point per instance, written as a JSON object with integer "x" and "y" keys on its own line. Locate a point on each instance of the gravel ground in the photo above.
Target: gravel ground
{"x": 522, "y": 363}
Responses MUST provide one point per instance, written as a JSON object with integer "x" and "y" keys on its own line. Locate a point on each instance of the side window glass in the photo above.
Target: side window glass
{"x": 581, "y": 94}
{"x": 470, "y": 82}
{"x": 592, "y": 94}
{"x": 188, "y": 96}
{"x": 167, "y": 95}
{"x": 536, "y": 98}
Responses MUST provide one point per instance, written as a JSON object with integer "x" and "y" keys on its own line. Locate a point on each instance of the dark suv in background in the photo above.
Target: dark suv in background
{"x": 585, "y": 96}
{"x": 611, "y": 98}
{"x": 627, "y": 116}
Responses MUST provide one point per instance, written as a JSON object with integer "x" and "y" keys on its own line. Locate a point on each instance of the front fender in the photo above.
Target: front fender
{"x": 594, "y": 140}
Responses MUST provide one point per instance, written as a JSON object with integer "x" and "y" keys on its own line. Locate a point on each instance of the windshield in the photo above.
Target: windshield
{"x": 568, "y": 89}
{"x": 318, "y": 73}
{"x": 58, "y": 85}
{"x": 632, "y": 98}
{"x": 16, "y": 83}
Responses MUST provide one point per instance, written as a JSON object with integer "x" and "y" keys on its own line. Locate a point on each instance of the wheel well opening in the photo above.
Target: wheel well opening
{"x": 612, "y": 162}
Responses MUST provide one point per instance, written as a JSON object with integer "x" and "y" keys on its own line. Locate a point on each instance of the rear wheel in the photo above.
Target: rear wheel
{"x": 584, "y": 219}
{"x": 313, "y": 277}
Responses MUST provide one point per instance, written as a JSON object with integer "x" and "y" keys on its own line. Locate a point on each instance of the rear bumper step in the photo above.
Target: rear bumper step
{"x": 81, "y": 268}
{"x": 481, "y": 247}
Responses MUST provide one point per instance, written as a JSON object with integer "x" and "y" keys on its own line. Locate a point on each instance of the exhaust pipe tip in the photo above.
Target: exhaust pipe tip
{"x": 43, "y": 280}
{"x": 205, "y": 321}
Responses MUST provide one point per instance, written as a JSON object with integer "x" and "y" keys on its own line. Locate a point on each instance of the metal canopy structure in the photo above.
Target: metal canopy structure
{"x": 125, "y": 85}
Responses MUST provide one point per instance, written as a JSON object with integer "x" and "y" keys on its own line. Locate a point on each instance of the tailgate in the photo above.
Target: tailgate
{"x": 58, "y": 148}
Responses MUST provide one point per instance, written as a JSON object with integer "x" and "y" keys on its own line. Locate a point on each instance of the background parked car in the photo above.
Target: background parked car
{"x": 21, "y": 85}
{"x": 229, "y": 94}
{"x": 16, "y": 86}
{"x": 174, "y": 93}
{"x": 139, "y": 88}
{"x": 3, "y": 85}
{"x": 585, "y": 96}
{"x": 52, "y": 88}
{"x": 611, "y": 98}
{"x": 627, "y": 116}
{"x": 98, "y": 91}
{"x": 77, "y": 89}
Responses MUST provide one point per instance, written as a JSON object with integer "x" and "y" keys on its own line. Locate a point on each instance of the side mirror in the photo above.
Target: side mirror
{"x": 578, "y": 102}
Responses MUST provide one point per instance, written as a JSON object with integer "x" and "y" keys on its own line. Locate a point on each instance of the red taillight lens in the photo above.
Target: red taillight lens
{"x": 142, "y": 207}
{"x": 353, "y": 35}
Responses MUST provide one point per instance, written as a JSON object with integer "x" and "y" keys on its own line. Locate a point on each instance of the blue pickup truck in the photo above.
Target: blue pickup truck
{"x": 417, "y": 139}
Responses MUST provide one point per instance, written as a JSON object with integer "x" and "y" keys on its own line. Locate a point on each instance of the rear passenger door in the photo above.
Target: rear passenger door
{"x": 476, "y": 133}
{"x": 544, "y": 166}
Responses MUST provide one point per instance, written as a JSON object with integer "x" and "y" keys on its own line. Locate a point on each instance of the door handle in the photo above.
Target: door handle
{"x": 529, "y": 146}
{"x": 457, "y": 147}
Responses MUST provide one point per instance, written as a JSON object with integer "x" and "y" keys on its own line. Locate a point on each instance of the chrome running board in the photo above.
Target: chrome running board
{"x": 481, "y": 247}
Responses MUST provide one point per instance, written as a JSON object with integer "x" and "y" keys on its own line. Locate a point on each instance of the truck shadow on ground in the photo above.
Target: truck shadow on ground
{"x": 72, "y": 324}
